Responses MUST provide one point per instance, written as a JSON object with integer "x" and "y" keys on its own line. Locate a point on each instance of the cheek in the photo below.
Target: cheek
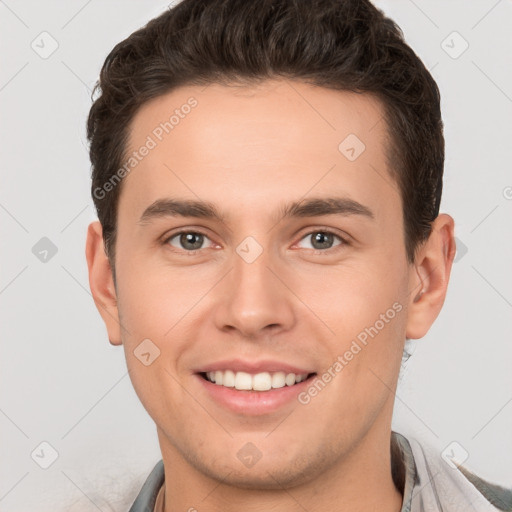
{"x": 155, "y": 302}
{"x": 353, "y": 296}
{"x": 368, "y": 319}
{"x": 159, "y": 391}
{"x": 160, "y": 311}
{"x": 156, "y": 312}
{"x": 364, "y": 308}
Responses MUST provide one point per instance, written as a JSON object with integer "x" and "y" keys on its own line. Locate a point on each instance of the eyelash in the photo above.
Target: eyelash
{"x": 344, "y": 241}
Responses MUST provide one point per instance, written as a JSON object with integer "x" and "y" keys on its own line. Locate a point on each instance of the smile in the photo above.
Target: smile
{"x": 263, "y": 381}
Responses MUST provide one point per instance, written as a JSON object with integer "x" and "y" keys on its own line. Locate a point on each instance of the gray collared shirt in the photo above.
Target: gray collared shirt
{"x": 430, "y": 484}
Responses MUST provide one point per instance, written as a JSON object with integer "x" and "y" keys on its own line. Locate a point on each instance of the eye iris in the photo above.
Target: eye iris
{"x": 194, "y": 239}
{"x": 322, "y": 240}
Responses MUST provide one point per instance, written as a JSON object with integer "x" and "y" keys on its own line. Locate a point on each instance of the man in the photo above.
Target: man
{"x": 267, "y": 176}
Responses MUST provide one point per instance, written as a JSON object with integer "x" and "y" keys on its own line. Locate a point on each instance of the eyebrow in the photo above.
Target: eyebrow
{"x": 180, "y": 208}
{"x": 305, "y": 208}
{"x": 325, "y": 206}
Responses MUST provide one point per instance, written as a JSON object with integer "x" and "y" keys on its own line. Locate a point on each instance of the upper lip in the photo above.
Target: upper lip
{"x": 238, "y": 365}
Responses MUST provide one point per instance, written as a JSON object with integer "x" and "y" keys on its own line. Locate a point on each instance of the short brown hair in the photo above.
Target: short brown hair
{"x": 337, "y": 44}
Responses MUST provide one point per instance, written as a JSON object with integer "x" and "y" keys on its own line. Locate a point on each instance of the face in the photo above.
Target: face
{"x": 260, "y": 245}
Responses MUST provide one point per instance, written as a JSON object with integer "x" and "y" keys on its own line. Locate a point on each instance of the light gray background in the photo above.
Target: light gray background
{"x": 63, "y": 383}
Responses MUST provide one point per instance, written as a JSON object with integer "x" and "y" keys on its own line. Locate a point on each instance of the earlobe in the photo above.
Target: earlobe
{"x": 429, "y": 277}
{"x": 101, "y": 282}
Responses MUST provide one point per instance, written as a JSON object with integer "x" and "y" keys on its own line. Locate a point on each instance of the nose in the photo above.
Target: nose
{"x": 253, "y": 301}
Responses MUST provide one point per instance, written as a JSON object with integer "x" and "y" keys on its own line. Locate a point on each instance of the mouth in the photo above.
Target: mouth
{"x": 261, "y": 382}
{"x": 254, "y": 393}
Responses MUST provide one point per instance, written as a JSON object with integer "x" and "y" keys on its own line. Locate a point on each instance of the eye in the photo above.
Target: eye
{"x": 187, "y": 240}
{"x": 321, "y": 240}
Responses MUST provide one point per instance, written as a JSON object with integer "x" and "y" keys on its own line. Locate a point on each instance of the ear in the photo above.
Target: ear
{"x": 429, "y": 276}
{"x": 101, "y": 282}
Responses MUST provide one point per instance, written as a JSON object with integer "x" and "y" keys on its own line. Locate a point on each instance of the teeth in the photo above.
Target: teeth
{"x": 228, "y": 379}
{"x": 290, "y": 379}
{"x": 242, "y": 381}
{"x": 264, "y": 381}
{"x": 278, "y": 380}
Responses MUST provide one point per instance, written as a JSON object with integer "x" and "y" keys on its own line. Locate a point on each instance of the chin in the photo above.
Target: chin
{"x": 264, "y": 475}
{"x": 266, "y": 480}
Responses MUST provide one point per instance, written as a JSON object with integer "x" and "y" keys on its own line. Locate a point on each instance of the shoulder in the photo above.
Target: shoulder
{"x": 146, "y": 499}
{"x": 435, "y": 481}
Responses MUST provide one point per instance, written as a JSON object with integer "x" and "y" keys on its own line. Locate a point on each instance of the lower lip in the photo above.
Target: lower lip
{"x": 254, "y": 403}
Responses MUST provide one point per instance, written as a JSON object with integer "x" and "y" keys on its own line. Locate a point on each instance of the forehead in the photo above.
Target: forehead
{"x": 259, "y": 141}
{"x": 317, "y": 112}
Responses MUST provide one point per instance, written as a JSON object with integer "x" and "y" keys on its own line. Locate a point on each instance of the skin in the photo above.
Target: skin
{"x": 248, "y": 150}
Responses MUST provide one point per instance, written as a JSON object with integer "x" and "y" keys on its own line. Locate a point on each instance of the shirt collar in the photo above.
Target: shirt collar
{"x": 403, "y": 470}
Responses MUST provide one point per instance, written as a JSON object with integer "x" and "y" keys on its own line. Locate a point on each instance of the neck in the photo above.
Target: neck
{"x": 364, "y": 479}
